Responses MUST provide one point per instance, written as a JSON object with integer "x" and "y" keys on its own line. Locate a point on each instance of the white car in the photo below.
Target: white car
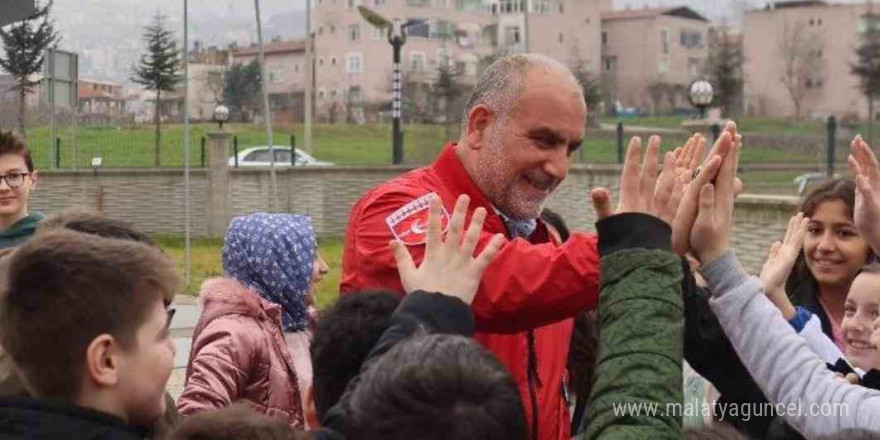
{"x": 259, "y": 157}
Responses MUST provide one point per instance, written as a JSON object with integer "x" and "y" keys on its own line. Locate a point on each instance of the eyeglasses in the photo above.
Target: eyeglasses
{"x": 14, "y": 180}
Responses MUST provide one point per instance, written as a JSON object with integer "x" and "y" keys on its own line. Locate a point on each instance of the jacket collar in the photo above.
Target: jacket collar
{"x": 37, "y": 418}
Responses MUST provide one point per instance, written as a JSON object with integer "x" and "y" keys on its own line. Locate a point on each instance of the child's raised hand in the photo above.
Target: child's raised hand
{"x": 866, "y": 170}
{"x": 449, "y": 266}
{"x": 709, "y": 235}
{"x": 781, "y": 260}
{"x": 641, "y": 190}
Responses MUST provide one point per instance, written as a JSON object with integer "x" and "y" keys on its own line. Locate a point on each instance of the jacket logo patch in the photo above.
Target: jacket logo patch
{"x": 409, "y": 224}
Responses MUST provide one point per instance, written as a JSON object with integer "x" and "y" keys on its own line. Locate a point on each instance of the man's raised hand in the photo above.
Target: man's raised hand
{"x": 449, "y": 266}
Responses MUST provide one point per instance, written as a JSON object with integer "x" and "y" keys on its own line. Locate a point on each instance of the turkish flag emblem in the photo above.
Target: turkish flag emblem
{"x": 409, "y": 224}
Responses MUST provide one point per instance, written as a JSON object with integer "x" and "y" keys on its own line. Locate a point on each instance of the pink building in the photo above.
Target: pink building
{"x": 816, "y": 42}
{"x": 286, "y": 73}
{"x": 353, "y": 59}
{"x": 650, "y": 56}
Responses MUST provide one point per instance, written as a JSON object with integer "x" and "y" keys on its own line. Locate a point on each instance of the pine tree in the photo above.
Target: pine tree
{"x": 25, "y": 44}
{"x": 867, "y": 67}
{"x": 158, "y": 69}
{"x": 242, "y": 89}
{"x": 724, "y": 69}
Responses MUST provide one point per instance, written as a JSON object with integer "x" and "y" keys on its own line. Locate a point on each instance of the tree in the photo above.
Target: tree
{"x": 242, "y": 90}
{"x": 723, "y": 68}
{"x": 158, "y": 69}
{"x": 24, "y": 45}
{"x": 447, "y": 89}
{"x": 867, "y": 66}
{"x": 802, "y": 62}
{"x": 590, "y": 84}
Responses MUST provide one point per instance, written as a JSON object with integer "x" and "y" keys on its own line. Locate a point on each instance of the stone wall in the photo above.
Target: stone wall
{"x": 153, "y": 199}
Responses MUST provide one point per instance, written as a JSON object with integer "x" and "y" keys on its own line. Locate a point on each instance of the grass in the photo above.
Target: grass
{"x": 343, "y": 144}
{"x": 206, "y": 254}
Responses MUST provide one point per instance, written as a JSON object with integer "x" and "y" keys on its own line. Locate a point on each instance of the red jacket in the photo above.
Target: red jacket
{"x": 533, "y": 286}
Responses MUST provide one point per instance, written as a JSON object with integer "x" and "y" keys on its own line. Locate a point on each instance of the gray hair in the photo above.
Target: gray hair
{"x": 500, "y": 87}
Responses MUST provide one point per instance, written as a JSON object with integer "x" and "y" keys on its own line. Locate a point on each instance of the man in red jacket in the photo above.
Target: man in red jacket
{"x": 525, "y": 118}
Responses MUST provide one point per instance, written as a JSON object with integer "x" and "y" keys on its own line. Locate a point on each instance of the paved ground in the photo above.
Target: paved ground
{"x": 181, "y": 332}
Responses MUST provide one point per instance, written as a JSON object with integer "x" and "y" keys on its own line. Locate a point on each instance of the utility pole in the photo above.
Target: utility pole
{"x": 310, "y": 77}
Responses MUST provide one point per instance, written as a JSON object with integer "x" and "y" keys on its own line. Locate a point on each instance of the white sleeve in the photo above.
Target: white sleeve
{"x": 808, "y": 395}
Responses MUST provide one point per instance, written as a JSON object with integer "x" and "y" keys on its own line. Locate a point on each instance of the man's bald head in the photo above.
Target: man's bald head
{"x": 501, "y": 86}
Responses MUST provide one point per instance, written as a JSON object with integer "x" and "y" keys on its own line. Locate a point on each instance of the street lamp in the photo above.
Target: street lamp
{"x": 221, "y": 114}
{"x": 701, "y": 93}
{"x": 397, "y": 37}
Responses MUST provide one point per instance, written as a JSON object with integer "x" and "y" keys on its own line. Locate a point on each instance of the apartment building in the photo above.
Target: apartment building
{"x": 100, "y": 101}
{"x": 286, "y": 74}
{"x": 651, "y": 55}
{"x": 354, "y": 60}
{"x": 803, "y": 49}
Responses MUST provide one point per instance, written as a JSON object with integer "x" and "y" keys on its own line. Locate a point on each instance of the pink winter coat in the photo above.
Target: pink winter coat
{"x": 239, "y": 354}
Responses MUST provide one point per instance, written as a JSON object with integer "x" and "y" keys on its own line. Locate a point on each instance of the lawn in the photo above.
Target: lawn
{"x": 134, "y": 147}
{"x": 206, "y": 254}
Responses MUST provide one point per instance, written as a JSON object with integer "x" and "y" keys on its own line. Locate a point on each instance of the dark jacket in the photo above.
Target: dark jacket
{"x": 709, "y": 352}
{"x": 20, "y": 231}
{"x": 419, "y": 311}
{"x": 641, "y": 331}
{"x": 23, "y": 418}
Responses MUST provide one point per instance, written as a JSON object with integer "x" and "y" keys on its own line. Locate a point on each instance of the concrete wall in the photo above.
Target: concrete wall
{"x": 153, "y": 199}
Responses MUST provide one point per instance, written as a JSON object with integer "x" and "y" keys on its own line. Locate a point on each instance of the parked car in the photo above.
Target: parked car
{"x": 259, "y": 157}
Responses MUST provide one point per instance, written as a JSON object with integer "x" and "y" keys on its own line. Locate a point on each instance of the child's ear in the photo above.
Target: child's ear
{"x": 311, "y": 411}
{"x": 102, "y": 364}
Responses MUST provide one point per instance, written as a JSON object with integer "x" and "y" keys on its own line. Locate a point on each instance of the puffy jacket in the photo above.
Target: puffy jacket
{"x": 527, "y": 297}
{"x": 239, "y": 354}
{"x": 641, "y": 333}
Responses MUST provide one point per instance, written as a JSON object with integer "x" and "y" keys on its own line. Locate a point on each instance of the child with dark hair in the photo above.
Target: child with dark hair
{"x": 17, "y": 180}
{"x": 84, "y": 320}
{"x": 344, "y": 336}
{"x": 235, "y": 422}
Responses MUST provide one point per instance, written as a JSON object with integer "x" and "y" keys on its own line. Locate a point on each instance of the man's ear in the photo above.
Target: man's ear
{"x": 479, "y": 120}
{"x": 311, "y": 411}
{"x": 102, "y": 362}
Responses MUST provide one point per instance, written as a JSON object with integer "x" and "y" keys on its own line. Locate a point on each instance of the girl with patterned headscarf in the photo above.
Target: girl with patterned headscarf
{"x": 239, "y": 349}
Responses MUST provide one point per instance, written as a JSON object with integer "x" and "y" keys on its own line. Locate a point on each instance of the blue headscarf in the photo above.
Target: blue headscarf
{"x": 274, "y": 254}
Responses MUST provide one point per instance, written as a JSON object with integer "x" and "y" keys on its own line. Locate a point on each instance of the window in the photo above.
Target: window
{"x": 417, "y": 3}
{"x": 664, "y": 40}
{"x": 441, "y": 3}
{"x": 378, "y": 33}
{"x": 444, "y": 57}
{"x": 355, "y": 94}
{"x": 352, "y": 3}
{"x": 354, "y": 63}
{"x": 333, "y": 61}
{"x": 691, "y": 39}
{"x": 441, "y": 29}
{"x": 276, "y": 75}
{"x": 422, "y": 30}
{"x": 296, "y": 68}
{"x": 333, "y": 93}
{"x": 321, "y": 93}
{"x": 282, "y": 156}
{"x": 511, "y": 35}
{"x": 417, "y": 62}
{"x": 610, "y": 64}
{"x": 561, "y": 7}
{"x": 663, "y": 65}
{"x": 320, "y": 62}
{"x": 258, "y": 156}
{"x": 378, "y": 2}
{"x": 561, "y": 38}
{"x": 542, "y": 6}
{"x": 320, "y": 30}
{"x": 332, "y": 29}
{"x": 694, "y": 66}
{"x": 354, "y": 32}
{"x": 604, "y": 38}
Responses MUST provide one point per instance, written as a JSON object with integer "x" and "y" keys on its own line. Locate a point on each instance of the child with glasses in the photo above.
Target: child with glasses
{"x": 17, "y": 180}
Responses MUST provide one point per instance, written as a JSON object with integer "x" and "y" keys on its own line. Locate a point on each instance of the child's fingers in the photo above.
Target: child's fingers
{"x": 488, "y": 254}
{"x": 405, "y": 263}
{"x": 473, "y": 232}
{"x": 456, "y": 224}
